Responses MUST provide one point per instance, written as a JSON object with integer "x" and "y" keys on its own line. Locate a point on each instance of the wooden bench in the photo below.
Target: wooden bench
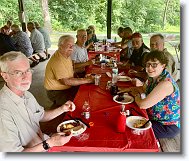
{"x": 170, "y": 144}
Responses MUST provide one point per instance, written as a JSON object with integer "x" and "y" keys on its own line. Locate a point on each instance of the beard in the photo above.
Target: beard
{"x": 23, "y": 88}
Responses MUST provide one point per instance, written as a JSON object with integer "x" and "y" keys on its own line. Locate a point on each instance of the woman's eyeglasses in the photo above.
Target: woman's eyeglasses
{"x": 153, "y": 65}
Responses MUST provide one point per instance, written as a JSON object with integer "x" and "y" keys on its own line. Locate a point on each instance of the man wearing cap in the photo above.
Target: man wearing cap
{"x": 135, "y": 62}
{"x": 139, "y": 50}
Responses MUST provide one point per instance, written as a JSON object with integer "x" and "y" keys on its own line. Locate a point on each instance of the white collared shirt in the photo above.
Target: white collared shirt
{"x": 19, "y": 120}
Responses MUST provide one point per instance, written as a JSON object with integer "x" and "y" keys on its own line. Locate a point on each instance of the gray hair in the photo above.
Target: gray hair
{"x": 64, "y": 38}
{"x": 10, "y": 56}
{"x": 158, "y": 35}
{"x": 15, "y": 28}
{"x": 80, "y": 30}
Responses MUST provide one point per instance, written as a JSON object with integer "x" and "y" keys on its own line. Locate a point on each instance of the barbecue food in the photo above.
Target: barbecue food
{"x": 139, "y": 123}
{"x": 68, "y": 126}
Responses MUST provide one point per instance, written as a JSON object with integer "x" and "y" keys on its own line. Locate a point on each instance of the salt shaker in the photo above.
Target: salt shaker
{"x": 121, "y": 122}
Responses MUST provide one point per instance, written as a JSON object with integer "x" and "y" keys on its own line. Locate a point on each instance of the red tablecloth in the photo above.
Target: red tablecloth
{"x": 92, "y": 54}
{"x": 103, "y": 137}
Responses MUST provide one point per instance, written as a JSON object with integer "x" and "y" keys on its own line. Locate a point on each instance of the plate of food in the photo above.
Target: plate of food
{"x": 123, "y": 98}
{"x": 123, "y": 78}
{"x": 135, "y": 123}
{"x": 76, "y": 128}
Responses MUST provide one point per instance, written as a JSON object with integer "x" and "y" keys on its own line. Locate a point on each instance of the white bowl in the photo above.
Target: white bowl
{"x": 74, "y": 133}
{"x": 132, "y": 120}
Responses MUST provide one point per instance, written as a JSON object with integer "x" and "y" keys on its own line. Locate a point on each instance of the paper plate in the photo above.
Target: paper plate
{"x": 127, "y": 99}
{"x": 75, "y": 131}
{"x": 134, "y": 121}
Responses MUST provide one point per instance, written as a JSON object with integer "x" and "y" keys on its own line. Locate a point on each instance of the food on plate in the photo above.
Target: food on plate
{"x": 69, "y": 126}
{"x": 139, "y": 123}
{"x": 122, "y": 97}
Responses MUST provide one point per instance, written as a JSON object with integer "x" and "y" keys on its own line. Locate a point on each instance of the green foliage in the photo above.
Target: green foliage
{"x": 69, "y": 15}
{"x": 33, "y": 10}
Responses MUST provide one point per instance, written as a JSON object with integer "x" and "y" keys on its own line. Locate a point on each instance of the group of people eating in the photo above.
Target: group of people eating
{"x": 35, "y": 47}
{"x": 65, "y": 71}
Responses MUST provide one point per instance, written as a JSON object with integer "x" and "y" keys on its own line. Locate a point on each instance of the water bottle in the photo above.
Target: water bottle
{"x": 95, "y": 46}
{"x": 114, "y": 73}
{"x": 121, "y": 122}
{"x": 86, "y": 110}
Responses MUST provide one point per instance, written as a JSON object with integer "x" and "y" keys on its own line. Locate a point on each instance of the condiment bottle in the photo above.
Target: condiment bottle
{"x": 86, "y": 110}
{"x": 114, "y": 73}
{"x": 115, "y": 39}
{"x": 121, "y": 122}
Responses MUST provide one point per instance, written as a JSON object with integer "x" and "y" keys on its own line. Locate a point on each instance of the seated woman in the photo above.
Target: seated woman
{"x": 89, "y": 44}
{"x": 162, "y": 99}
{"x": 94, "y": 37}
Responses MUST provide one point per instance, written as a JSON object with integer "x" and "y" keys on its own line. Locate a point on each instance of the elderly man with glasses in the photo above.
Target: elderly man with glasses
{"x": 21, "y": 113}
{"x": 157, "y": 43}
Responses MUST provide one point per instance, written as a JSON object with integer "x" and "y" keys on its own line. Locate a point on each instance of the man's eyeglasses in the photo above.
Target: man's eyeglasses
{"x": 19, "y": 74}
{"x": 153, "y": 65}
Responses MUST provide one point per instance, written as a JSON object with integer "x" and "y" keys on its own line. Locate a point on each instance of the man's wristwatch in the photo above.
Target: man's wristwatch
{"x": 45, "y": 145}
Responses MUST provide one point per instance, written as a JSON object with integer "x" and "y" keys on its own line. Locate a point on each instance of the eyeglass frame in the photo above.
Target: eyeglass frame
{"x": 153, "y": 65}
{"x": 19, "y": 73}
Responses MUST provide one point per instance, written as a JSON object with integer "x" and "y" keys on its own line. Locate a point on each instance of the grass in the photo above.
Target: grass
{"x": 146, "y": 38}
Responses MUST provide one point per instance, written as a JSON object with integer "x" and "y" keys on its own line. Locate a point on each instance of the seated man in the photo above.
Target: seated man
{"x": 125, "y": 44}
{"x": 139, "y": 51}
{"x": 22, "y": 41}
{"x": 80, "y": 55}
{"x": 46, "y": 37}
{"x": 157, "y": 43}
{"x": 135, "y": 62}
{"x": 59, "y": 75}
{"x": 20, "y": 112}
{"x": 37, "y": 41}
{"x": 6, "y": 42}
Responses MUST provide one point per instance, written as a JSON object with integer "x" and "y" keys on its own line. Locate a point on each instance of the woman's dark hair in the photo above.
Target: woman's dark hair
{"x": 156, "y": 55}
{"x": 120, "y": 30}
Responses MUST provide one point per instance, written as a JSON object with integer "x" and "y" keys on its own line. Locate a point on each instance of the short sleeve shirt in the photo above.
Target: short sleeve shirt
{"x": 79, "y": 54}
{"x": 19, "y": 120}
{"x": 58, "y": 68}
{"x": 46, "y": 37}
{"x": 37, "y": 41}
{"x": 171, "y": 66}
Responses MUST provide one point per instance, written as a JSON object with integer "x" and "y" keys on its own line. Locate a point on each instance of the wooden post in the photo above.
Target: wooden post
{"x": 21, "y": 15}
{"x": 109, "y": 18}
